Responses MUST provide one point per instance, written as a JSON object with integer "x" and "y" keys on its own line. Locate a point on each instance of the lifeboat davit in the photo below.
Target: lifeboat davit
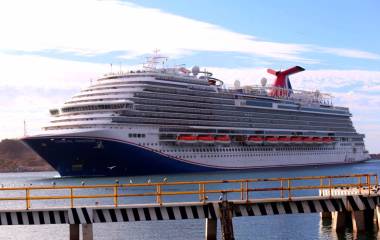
{"x": 296, "y": 140}
{"x": 207, "y": 139}
{"x": 224, "y": 139}
{"x": 255, "y": 140}
{"x": 317, "y": 140}
{"x": 272, "y": 140}
{"x": 187, "y": 139}
{"x": 284, "y": 139}
{"x": 308, "y": 140}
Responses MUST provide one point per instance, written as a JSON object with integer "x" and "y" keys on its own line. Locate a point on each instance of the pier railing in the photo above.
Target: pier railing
{"x": 187, "y": 191}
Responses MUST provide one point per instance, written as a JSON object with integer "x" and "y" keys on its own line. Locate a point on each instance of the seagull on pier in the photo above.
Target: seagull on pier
{"x": 165, "y": 179}
{"x": 130, "y": 181}
{"x": 117, "y": 181}
{"x": 149, "y": 180}
{"x": 82, "y": 183}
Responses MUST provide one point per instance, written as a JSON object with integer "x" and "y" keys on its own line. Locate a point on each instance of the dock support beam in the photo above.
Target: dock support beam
{"x": 87, "y": 232}
{"x": 358, "y": 221}
{"x": 362, "y": 220}
{"x": 226, "y": 209}
{"x": 210, "y": 232}
{"x": 74, "y": 231}
{"x": 377, "y": 215}
{"x": 339, "y": 220}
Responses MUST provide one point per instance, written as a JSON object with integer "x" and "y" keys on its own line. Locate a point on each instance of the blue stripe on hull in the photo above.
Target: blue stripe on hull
{"x": 95, "y": 157}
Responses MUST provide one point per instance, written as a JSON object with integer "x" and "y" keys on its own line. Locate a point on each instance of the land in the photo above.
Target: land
{"x": 17, "y": 157}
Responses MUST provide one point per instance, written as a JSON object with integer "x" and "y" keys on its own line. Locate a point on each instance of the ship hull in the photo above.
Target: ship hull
{"x": 86, "y": 157}
{"x": 89, "y": 156}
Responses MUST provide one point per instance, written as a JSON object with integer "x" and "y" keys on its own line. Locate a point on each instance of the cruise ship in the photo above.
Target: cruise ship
{"x": 160, "y": 120}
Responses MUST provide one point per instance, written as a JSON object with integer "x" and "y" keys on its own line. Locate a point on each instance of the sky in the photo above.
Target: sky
{"x": 49, "y": 50}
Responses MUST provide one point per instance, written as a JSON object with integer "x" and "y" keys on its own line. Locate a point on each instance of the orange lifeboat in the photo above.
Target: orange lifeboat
{"x": 296, "y": 140}
{"x": 317, "y": 140}
{"x": 255, "y": 140}
{"x": 327, "y": 139}
{"x": 308, "y": 140}
{"x": 284, "y": 139}
{"x": 273, "y": 140}
{"x": 206, "y": 139}
{"x": 187, "y": 139}
{"x": 224, "y": 139}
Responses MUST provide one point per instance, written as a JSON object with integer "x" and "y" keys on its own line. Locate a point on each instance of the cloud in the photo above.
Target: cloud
{"x": 91, "y": 28}
{"x": 351, "y": 53}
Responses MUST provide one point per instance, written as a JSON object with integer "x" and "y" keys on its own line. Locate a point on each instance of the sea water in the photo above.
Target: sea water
{"x": 297, "y": 226}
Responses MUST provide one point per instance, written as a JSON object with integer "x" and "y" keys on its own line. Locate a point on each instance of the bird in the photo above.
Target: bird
{"x": 111, "y": 167}
{"x": 130, "y": 181}
{"x": 117, "y": 181}
{"x": 149, "y": 180}
{"x": 165, "y": 179}
{"x": 82, "y": 183}
{"x": 53, "y": 183}
{"x": 220, "y": 197}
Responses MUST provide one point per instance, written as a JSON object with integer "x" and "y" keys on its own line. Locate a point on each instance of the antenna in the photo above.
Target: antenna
{"x": 24, "y": 128}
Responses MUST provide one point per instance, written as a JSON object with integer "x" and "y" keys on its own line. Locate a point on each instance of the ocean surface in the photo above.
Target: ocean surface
{"x": 302, "y": 226}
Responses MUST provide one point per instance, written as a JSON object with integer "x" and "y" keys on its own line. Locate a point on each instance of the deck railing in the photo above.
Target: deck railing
{"x": 202, "y": 191}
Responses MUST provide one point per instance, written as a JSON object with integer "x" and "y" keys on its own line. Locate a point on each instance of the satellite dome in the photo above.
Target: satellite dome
{"x": 195, "y": 70}
{"x": 263, "y": 82}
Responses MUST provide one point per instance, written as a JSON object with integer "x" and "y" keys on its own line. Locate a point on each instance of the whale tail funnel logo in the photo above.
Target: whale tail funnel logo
{"x": 282, "y": 85}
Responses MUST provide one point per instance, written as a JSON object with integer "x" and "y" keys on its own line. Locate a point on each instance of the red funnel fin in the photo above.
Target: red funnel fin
{"x": 293, "y": 70}
{"x": 271, "y": 71}
{"x": 280, "y": 82}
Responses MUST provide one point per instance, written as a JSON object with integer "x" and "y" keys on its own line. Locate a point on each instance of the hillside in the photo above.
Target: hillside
{"x": 17, "y": 157}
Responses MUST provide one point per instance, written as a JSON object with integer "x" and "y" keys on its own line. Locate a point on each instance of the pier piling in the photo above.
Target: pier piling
{"x": 339, "y": 220}
{"x": 226, "y": 210}
{"x": 211, "y": 226}
{"x": 87, "y": 232}
{"x": 74, "y": 231}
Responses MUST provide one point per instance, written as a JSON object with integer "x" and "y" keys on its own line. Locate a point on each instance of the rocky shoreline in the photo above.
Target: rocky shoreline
{"x": 15, "y": 156}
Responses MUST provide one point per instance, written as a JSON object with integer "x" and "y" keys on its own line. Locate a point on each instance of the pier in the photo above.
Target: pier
{"x": 343, "y": 198}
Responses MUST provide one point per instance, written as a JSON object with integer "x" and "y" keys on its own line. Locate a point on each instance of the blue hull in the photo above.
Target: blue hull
{"x": 77, "y": 156}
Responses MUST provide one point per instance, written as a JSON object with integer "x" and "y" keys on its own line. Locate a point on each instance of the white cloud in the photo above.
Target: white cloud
{"x": 92, "y": 27}
{"x": 352, "y": 53}
{"x": 28, "y": 71}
